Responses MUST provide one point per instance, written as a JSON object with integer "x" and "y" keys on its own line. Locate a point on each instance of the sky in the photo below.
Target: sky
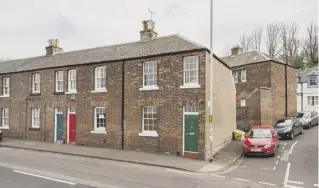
{"x": 26, "y": 26}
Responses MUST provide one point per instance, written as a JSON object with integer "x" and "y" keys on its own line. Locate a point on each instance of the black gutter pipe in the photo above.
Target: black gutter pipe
{"x": 122, "y": 108}
{"x": 286, "y": 92}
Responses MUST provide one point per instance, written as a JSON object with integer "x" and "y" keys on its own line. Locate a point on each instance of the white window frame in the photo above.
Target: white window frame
{"x": 194, "y": 61}
{"x": 312, "y": 100}
{"x": 241, "y": 76}
{"x": 35, "y": 118}
{"x": 98, "y": 79}
{"x": 243, "y": 102}
{"x": 36, "y": 79}
{"x": 6, "y": 86}
{"x": 99, "y": 130}
{"x": 59, "y": 81}
{"x": 150, "y": 133}
{"x": 72, "y": 80}
{"x": 4, "y": 116}
{"x": 147, "y": 66}
{"x": 235, "y": 75}
{"x": 315, "y": 81}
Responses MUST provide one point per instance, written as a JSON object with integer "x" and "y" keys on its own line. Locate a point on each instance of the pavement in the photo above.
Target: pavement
{"x": 28, "y": 168}
{"x": 224, "y": 158}
{"x": 294, "y": 166}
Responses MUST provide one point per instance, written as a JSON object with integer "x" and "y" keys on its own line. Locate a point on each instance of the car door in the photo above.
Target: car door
{"x": 314, "y": 118}
{"x": 297, "y": 126}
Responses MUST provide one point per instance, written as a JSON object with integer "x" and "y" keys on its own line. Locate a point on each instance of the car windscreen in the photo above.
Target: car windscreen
{"x": 260, "y": 133}
{"x": 283, "y": 123}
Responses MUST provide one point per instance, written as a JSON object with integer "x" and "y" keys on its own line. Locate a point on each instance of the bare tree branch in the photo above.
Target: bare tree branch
{"x": 290, "y": 42}
{"x": 245, "y": 42}
{"x": 273, "y": 39}
{"x": 310, "y": 44}
{"x": 256, "y": 38}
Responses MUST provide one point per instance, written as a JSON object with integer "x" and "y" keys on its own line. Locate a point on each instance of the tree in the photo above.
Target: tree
{"x": 273, "y": 39}
{"x": 290, "y": 42}
{"x": 310, "y": 45}
{"x": 256, "y": 38}
{"x": 245, "y": 42}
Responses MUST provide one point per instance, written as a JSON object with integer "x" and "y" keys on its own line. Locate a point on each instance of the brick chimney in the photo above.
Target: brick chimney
{"x": 148, "y": 33}
{"x": 236, "y": 50}
{"x": 53, "y": 47}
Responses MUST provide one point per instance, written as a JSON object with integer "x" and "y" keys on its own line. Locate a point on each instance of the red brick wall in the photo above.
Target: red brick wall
{"x": 169, "y": 99}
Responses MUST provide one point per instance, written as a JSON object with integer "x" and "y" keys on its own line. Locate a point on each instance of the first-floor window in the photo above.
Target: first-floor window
{"x": 4, "y": 117}
{"x": 149, "y": 118}
{"x": 313, "y": 100}
{"x": 35, "y": 117}
{"x": 99, "y": 119}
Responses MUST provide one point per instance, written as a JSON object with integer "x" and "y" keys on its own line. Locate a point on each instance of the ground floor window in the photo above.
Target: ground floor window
{"x": 4, "y": 118}
{"x": 99, "y": 119}
{"x": 313, "y": 100}
{"x": 35, "y": 114}
{"x": 149, "y": 118}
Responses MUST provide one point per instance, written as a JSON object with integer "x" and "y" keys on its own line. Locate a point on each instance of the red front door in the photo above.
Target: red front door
{"x": 72, "y": 127}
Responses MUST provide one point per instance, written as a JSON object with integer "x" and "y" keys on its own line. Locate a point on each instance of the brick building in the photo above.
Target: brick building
{"x": 150, "y": 95}
{"x": 266, "y": 87}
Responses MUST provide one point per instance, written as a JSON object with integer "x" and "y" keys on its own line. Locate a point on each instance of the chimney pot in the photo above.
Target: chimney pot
{"x": 53, "y": 47}
{"x": 148, "y": 33}
{"x": 236, "y": 50}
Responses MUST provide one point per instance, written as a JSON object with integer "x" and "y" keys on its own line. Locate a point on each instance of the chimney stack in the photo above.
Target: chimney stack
{"x": 148, "y": 33}
{"x": 53, "y": 47}
{"x": 236, "y": 50}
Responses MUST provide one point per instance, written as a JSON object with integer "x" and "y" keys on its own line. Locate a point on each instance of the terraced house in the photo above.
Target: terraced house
{"x": 266, "y": 87}
{"x": 150, "y": 95}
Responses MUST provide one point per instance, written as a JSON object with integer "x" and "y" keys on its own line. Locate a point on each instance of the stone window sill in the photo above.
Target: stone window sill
{"x": 4, "y": 96}
{"x": 99, "y": 91}
{"x": 149, "y": 88}
{"x": 4, "y": 128}
{"x": 148, "y": 133}
{"x": 71, "y": 92}
{"x": 98, "y": 132}
{"x": 189, "y": 86}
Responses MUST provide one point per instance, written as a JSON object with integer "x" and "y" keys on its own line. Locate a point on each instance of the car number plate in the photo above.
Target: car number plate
{"x": 256, "y": 150}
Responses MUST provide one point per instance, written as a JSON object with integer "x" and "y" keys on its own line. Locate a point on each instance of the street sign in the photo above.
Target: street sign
{"x": 210, "y": 118}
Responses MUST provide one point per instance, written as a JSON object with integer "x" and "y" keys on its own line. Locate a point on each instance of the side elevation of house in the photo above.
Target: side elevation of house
{"x": 308, "y": 89}
{"x": 265, "y": 87}
{"x": 151, "y": 95}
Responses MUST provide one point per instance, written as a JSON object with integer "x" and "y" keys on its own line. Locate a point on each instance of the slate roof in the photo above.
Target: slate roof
{"x": 308, "y": 71}
{"x": 161, "y": 45}
{"x": 250, "y": 57}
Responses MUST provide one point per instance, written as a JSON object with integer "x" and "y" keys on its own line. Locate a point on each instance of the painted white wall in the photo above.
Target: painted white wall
{"x": 306, "y": 92}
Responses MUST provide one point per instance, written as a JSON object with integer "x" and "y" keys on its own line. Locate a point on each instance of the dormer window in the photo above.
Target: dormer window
{"x": 313, "y": 81}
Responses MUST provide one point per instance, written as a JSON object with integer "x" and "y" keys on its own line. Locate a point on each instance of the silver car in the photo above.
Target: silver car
{"x": 308, "y": 119}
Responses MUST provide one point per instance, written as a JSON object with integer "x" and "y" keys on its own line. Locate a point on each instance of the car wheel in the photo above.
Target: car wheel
{"x": 292, "y": 135}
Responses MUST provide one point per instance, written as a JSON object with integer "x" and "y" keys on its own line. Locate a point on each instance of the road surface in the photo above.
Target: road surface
{"x": 295, "y": 164}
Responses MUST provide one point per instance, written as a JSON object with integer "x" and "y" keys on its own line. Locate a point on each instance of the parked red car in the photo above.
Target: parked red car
{"x": 261, "y": 140}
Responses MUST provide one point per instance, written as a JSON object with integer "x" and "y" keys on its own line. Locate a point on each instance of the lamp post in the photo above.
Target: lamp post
{"x": 301, "y": 91}
{"x": 212, "y": 83}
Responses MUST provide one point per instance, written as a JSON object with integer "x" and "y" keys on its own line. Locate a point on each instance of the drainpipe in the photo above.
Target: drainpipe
{"x": 45, "y": 121}
{"x": 286, "y": 92}
{"x": 122, "y": 108}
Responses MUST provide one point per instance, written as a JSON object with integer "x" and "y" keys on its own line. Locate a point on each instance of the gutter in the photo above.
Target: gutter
{"x": 122, "y": 106}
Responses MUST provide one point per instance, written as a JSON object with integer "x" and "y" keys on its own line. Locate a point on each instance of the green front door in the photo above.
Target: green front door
{"x": 191, "y": 133}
